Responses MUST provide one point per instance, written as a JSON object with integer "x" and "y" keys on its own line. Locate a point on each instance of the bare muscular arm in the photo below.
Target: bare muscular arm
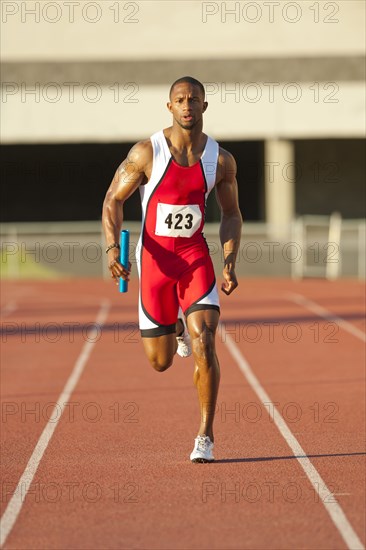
{"x": 132, "y": 172}
{"x": 231, "y": 219}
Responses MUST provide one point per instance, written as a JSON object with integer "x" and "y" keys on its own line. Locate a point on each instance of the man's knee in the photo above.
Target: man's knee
{"x": 203, "y": 345}
{"x": 161, "y": 364}
{"x": 160, "y": 351}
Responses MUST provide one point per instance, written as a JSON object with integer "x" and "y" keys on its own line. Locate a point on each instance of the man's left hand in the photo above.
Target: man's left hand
{"x": 230, "y": 282}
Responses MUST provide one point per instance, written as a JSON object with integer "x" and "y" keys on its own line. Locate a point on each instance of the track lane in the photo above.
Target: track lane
{"x": 316, "y": 376}
{"x": 325, "y": 494}
{"x": 38, "y": 359}
{"x": 14, "y": 506}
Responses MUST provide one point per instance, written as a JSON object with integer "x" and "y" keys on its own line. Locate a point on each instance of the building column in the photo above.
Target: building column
{"x": 279, "y": 177}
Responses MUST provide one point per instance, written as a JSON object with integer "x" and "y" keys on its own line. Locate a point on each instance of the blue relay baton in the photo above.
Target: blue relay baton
{"x": 125, "y": 245}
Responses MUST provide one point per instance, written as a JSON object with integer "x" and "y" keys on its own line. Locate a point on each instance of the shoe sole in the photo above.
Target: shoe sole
{"x": 184, "y": 356}
{"x": 202, "y": 460}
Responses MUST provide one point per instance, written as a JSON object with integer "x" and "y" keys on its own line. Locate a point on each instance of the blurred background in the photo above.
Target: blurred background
{"x": 285, "y": 81}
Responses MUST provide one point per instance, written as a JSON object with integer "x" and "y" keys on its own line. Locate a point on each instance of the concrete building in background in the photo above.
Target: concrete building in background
{"x": 285, "y": 81}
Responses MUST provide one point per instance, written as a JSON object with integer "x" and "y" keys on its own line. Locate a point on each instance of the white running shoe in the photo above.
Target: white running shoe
{"x": 184, "y": 341}
{"x": 202, "y": 451}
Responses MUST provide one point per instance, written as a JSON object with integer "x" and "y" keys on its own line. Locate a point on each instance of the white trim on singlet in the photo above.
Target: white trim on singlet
{"x": 209, "y": 159}
{"x": 161, "y": 158}
{"x": 211, "y": 299}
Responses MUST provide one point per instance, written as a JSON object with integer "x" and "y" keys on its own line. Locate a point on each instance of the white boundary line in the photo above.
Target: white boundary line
{"x": 322, "y": 312}
{"x": 333, "y": 508}
{"x": 16, "y": 502}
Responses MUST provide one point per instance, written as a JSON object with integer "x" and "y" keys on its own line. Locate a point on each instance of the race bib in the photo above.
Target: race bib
{"x": 177, "y": 220}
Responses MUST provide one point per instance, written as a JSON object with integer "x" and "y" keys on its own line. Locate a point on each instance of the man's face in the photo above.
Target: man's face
{"x": 187, "y": 105}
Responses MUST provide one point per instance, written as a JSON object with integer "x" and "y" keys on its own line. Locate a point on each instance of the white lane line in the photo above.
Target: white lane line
{"x": 16, "y": 502}
{"x": 333, "y": 508}
{"x": 8, "y": 309}
{"x": 328, "y": 315}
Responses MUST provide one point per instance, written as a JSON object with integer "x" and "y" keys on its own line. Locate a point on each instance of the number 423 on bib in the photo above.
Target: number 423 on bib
{"x": 174, "y": 220}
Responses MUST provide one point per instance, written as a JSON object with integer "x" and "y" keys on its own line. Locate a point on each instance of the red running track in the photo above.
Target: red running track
{"x": 103, "y": 462}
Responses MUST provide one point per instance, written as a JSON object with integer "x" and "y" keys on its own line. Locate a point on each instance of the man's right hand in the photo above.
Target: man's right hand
{"x": 116, "y": 268}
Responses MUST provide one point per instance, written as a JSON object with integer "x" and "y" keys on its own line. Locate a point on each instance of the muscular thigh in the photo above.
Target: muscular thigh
{"x": 203, "y": 322}
{"x": 160, "y": 348}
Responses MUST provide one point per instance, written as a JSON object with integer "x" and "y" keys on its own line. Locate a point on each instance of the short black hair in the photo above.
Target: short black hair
{"x": 190, "y": 80}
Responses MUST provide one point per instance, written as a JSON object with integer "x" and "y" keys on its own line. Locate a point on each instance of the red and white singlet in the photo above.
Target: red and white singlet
{"x": 173, "y": 260}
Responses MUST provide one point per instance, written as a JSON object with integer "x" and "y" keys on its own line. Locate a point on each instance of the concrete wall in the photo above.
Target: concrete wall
{"x": 183, "y": 29}
{"x": 100, "y": 71}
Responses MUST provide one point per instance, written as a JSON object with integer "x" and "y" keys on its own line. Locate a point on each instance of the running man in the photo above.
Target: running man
{"x": 175, "y": 170}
